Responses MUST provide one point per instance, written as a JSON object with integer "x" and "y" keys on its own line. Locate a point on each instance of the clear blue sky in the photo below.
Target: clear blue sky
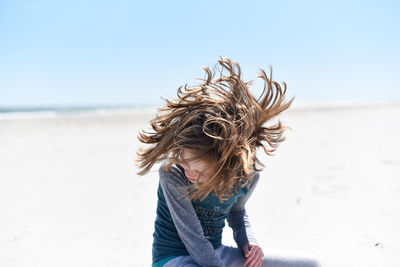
{"x": 132, "y": 52}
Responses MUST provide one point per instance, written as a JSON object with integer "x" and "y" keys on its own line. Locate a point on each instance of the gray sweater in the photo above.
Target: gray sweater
{"x": 195, "y": 227}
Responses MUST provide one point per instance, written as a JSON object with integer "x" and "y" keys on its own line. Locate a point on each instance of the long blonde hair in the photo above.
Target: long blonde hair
{"x": 221, "y": 120}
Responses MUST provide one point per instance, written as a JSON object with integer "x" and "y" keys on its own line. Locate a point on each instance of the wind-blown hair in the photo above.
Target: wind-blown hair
{"x": 223, "y": 122}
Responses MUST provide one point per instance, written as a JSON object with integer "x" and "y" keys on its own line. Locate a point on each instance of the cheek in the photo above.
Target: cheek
{"x": 203, "y": 179}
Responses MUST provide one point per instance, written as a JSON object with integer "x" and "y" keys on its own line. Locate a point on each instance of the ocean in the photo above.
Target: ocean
{"x": 10, "y": 113}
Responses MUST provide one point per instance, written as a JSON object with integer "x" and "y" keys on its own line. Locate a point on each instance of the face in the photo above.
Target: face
{"x": 197, "y": 171}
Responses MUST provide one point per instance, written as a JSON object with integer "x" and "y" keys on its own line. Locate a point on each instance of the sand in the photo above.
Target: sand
{"x": 70, "y": 196}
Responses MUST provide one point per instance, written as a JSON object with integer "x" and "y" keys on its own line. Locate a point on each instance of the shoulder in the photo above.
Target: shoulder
{"x": 174, "y": 185}
{"x": 174, "y": 175}
{"x": 252, "y": 183}
{"x": 245, "y": 188}
{"x": 253, "y": 180}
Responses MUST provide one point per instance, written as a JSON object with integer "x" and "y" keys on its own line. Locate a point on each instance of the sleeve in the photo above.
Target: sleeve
{"x": 238, "y": 219}
{"x": 185, "y": 219}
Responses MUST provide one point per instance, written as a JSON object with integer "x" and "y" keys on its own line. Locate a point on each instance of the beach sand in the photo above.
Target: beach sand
{"x": 70, "y": 195}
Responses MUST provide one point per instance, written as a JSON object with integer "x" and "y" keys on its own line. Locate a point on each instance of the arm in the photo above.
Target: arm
{"x": 238, "y": 220}
{"x": 185, "y": 219}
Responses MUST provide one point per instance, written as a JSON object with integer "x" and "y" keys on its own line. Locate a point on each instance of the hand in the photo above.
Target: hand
{"x": 254, "y": 255}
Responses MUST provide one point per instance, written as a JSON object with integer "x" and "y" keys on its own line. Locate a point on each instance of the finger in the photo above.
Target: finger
{"x": 252, "y": 250}
{"x": 250, "y": 257}
{"x": 248, "y": 260}
{"x": 260, "y": 261}
{"x": 258, "y": 256}
{"x": 247, "y": 250}
{"x": 254, "y": 261}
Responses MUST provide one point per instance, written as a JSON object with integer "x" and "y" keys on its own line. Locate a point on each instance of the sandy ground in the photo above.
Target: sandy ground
{"x": 70, "y": 196}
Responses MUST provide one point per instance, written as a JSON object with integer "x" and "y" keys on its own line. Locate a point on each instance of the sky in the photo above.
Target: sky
{"x": 82, "y": 53}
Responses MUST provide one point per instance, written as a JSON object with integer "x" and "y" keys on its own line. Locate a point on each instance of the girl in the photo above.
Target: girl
{"x": 207, "y": 140}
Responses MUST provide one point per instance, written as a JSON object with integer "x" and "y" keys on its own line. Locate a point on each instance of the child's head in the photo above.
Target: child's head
{"x": 197, "y": 170}
{"x": 218, "y": 124}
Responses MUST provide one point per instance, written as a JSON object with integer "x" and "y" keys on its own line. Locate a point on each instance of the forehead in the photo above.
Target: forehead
{"x": 199, "y": 164}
